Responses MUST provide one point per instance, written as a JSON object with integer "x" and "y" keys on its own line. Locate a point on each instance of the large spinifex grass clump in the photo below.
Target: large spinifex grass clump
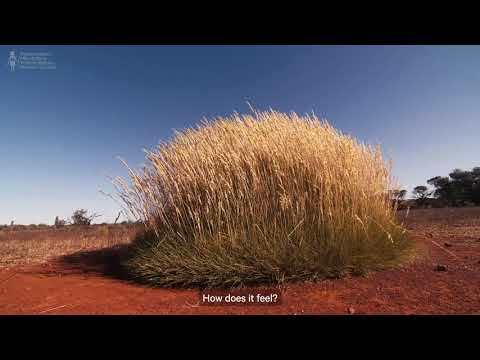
{"x": 267, "y": 197}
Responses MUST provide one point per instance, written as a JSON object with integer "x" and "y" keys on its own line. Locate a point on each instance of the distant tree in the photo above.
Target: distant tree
{"x": 421, "y": 194}
{"x": 399, "y": 195}
{"x": 476, "y": 186}
{"x": 459, "y": 188}
{"x": 396, "y": 197}
{"x": 463, "y": 184}
{"x": 80, "y": 217}
{"x": 444, "y": 189}
{"x": 59, "y": 222}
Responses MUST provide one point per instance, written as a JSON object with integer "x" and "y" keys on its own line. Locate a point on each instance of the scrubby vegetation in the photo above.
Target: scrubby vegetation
{"x": 81, "y": 217}
{"x": 263, "y": 198}
{"x": 459, "y": 188}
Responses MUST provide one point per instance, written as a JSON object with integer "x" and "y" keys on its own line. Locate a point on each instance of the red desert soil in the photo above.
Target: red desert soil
{"x": 81, "y": 283}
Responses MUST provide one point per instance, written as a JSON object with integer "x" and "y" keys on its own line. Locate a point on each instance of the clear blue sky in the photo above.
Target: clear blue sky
{"x": 61, "y": 130}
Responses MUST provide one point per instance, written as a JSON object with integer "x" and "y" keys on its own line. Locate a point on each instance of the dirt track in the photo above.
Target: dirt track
{"x": 84, "y": 283}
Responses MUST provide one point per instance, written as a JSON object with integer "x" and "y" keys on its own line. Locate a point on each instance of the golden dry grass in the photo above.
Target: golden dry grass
{"x": 20, "y": 247}
{"x": 266, "y": 197}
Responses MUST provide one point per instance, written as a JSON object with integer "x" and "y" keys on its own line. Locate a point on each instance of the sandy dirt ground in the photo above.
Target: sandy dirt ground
{"x": 447, "y": 239}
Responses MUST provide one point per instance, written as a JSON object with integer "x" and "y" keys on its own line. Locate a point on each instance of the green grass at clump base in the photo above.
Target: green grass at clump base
{"x": 172, "y": 262}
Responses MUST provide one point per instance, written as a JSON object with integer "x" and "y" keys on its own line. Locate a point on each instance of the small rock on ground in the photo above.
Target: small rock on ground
{"x": 440, "y": 268}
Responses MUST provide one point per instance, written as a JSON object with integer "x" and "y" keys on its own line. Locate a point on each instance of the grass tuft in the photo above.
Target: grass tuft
{"x": 261, "y": 198}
